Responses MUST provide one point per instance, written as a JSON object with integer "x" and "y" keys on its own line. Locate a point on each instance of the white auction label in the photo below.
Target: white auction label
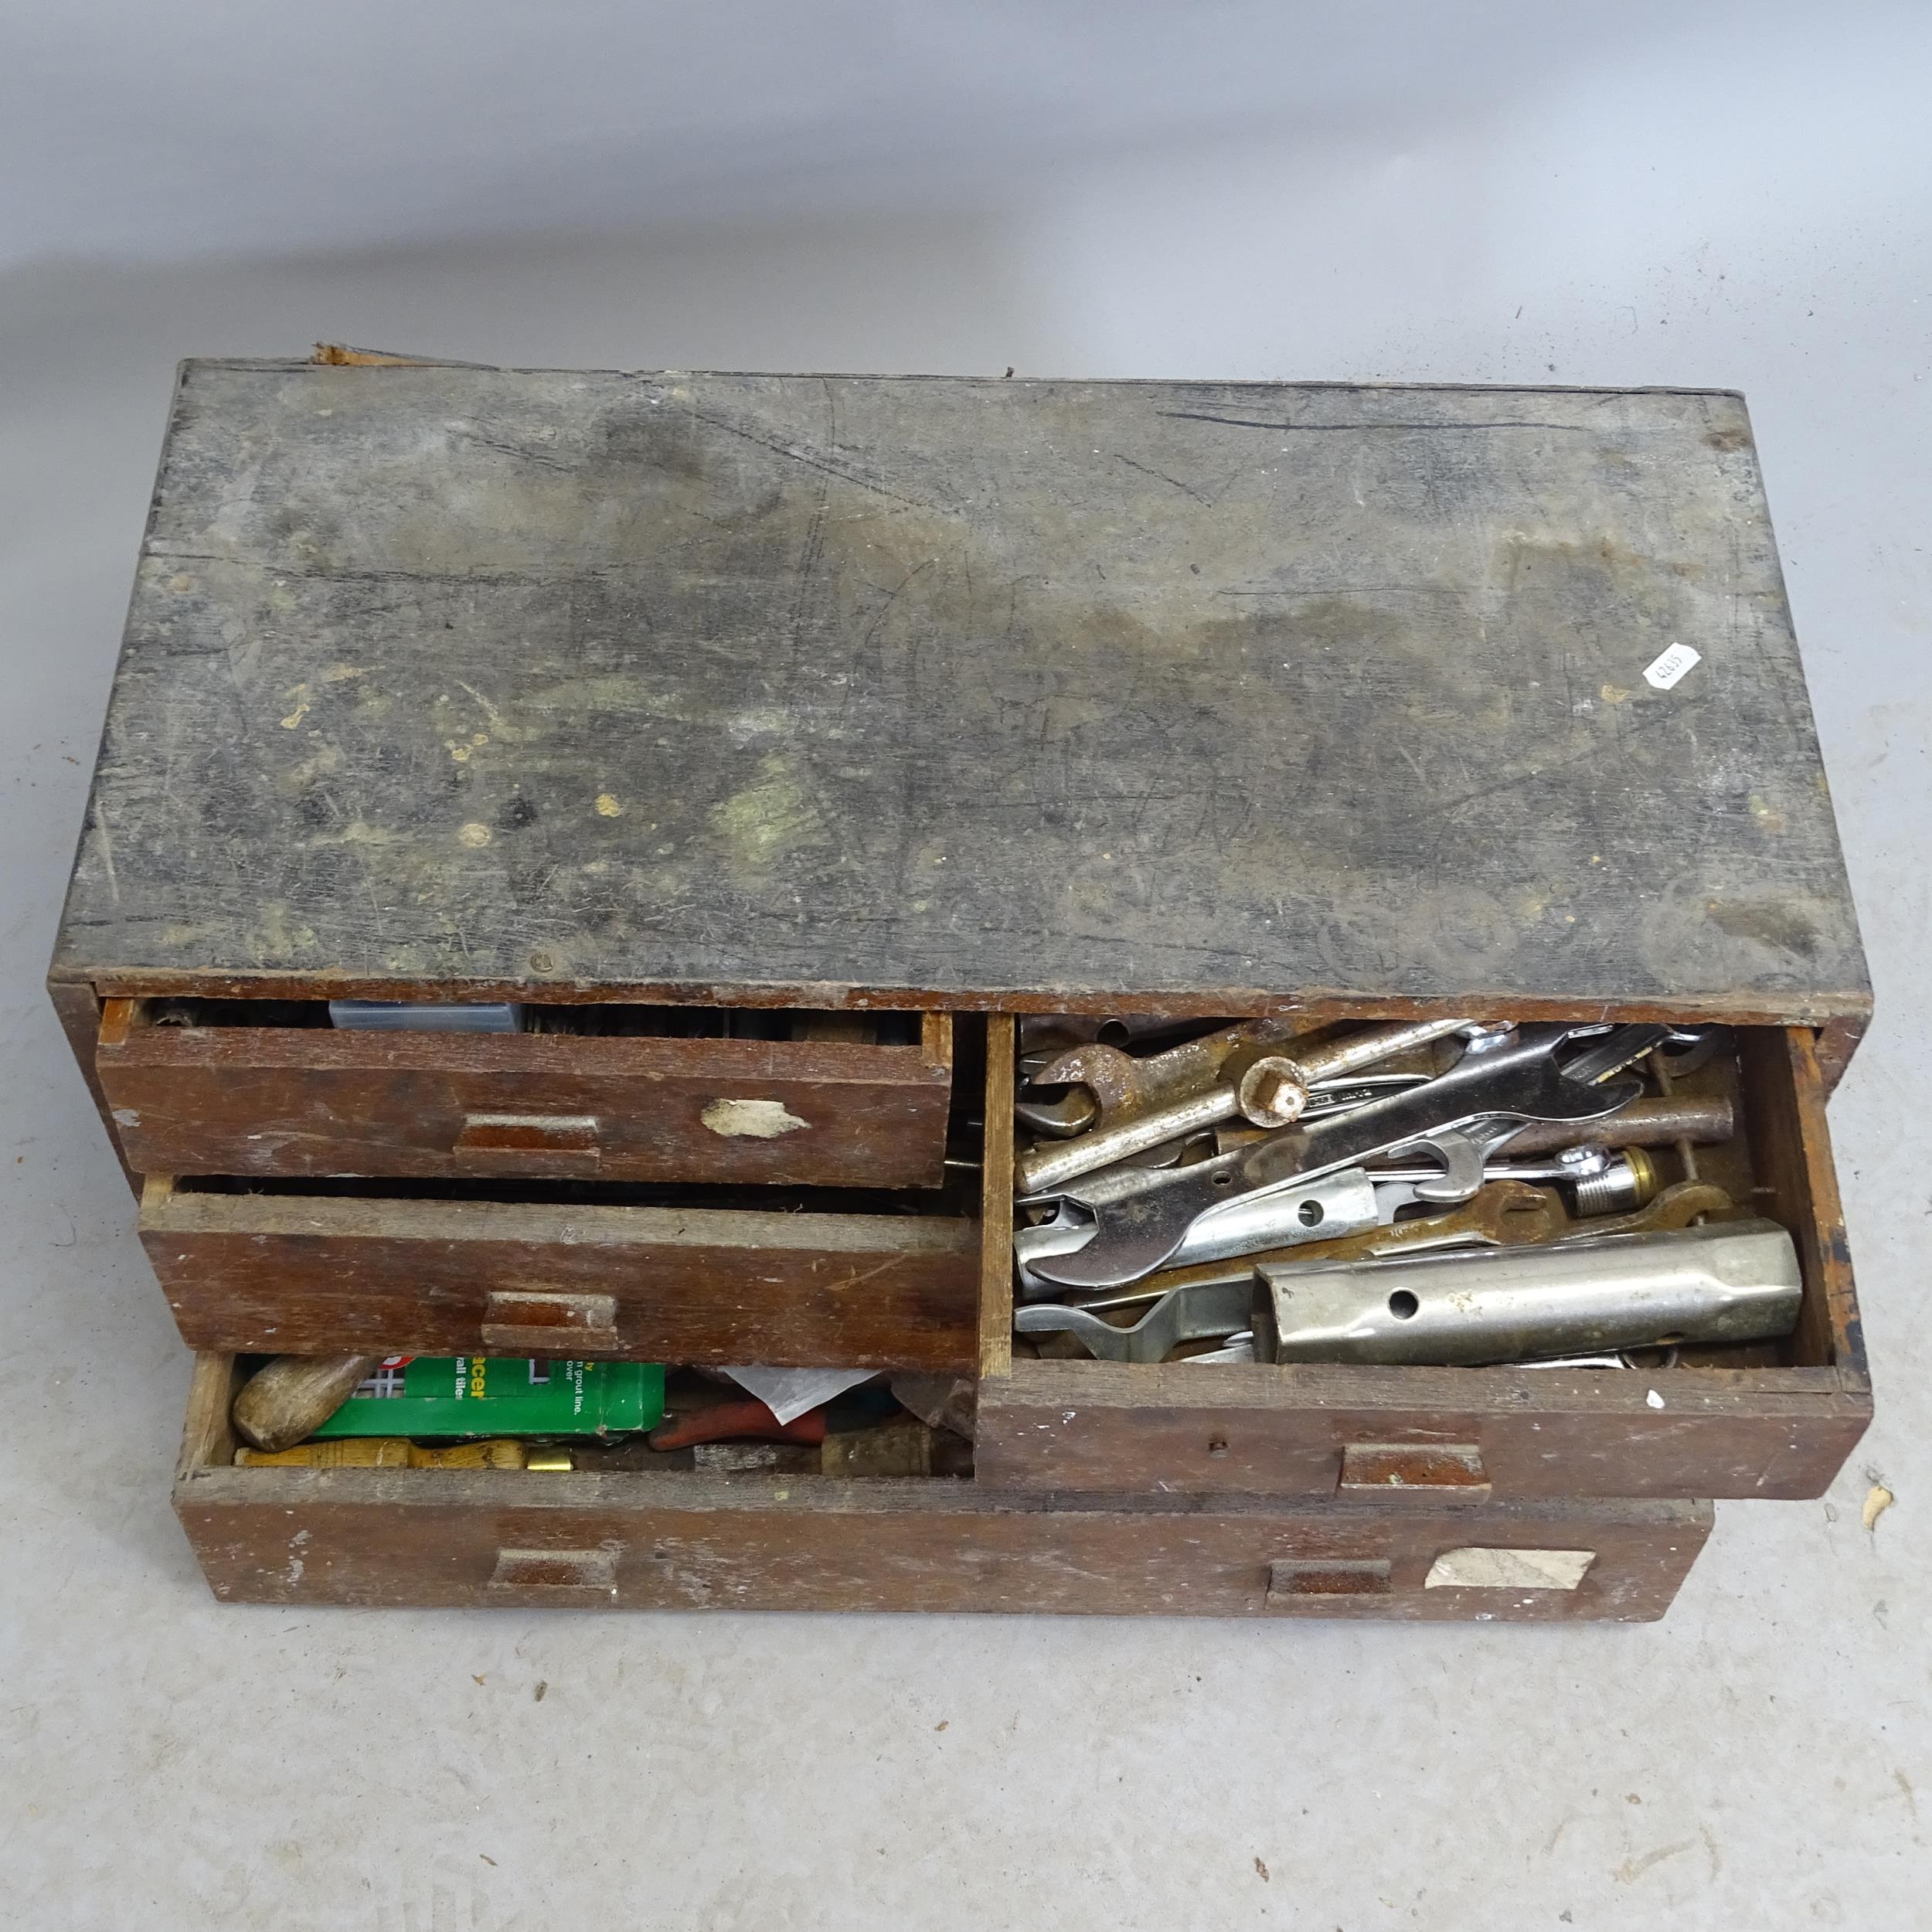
{"x": 1672, "y": 666}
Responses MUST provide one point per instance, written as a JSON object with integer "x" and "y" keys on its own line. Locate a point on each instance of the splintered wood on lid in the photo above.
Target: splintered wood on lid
{"x": 1013, "y": 695}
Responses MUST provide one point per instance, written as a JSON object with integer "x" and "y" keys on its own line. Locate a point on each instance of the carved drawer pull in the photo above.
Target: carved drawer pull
{"x": 543, "y": 1322}
{"x": 540, "y": 1321}
{"x": 529, "y": 1134}
{"x": 1425, "y": 1472}
{"x": 1328, "y": 1577}
{"x": 557, "y": 1576}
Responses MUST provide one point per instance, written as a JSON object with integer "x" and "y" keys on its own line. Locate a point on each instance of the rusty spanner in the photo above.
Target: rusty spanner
{"x": 1241, "y": 1070}
{"x": 1108, "y": 1087}
{"x": 1141, "y": 1225}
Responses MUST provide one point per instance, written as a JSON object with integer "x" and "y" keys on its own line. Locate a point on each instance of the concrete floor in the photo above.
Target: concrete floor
{"x": 1762, "y": 1759}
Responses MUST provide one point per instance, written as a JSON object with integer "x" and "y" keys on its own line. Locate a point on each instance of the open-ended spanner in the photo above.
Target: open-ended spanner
{"x": 1247, "y": 1070}
{"x": 1500, "y": 1214}
{"x": 1336, "y": 1204}
{"x": 1217, "y": 1299}
{"x": 1213, "y": 1299}
{"x": 1343, "y": 1202}
{"x": 1108, "y": 1087}
{"x": 1503, "y": 1214}
{"x": 1200, "y": 1314}
{"x": 1140, "y": 1224}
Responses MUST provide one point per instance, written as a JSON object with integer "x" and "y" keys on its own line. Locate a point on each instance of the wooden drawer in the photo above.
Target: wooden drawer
{"x": 314, "y": 1272}
{"x": 528, "y": 1540}
{"x": 290, "y": 1101}
{"x": 1430, "y": 1437}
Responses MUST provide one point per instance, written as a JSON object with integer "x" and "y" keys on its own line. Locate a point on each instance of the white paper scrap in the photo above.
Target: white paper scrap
{"x": 1671, "y": 666}
{"x": 789, "y": 1392}
{"x": 1509, "y": 1570}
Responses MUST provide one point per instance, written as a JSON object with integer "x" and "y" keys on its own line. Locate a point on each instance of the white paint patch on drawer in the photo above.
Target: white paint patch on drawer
{"x": 760, "y": 1120}
{"x": 1509, "y": 1569}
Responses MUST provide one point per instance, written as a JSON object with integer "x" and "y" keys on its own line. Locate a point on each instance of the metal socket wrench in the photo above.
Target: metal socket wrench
{"x": 1726, "y": 1281}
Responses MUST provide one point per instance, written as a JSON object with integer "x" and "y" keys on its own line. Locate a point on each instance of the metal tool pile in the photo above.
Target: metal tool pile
{"x": 1449, "y": 1192}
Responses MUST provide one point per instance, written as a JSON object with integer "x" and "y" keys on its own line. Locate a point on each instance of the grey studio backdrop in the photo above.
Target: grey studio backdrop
{"x": 1716, "y": 194}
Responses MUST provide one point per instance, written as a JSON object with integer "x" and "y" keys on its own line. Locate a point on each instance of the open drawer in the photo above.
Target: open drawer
{"x": 223, "y": 1095}
{"x": 1430, "y": 1437}
{"x": 530, "y": 1540}
{"x": 304, "y": 1268}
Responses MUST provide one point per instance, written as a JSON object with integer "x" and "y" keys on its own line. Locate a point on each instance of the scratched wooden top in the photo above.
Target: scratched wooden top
{"x": 991, "y": 692}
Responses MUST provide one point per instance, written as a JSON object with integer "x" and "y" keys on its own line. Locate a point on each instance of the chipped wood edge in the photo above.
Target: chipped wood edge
{"x": 1820, "y": 1229}
{"x": 169, "y": 1209}
{"x": 341, "y": 356}
{"x": 936, "y": 1041}
{"x": 79, "y": 1014}
{"x": 996, "y": 1204}
{"x": 208, "y": 1435}
{"x": 1838, "y": 1040}
{"x": 1317, "y": 1005}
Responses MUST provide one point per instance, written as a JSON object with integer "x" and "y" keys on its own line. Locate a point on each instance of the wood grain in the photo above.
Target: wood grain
{"x": 79, "y": 1011}
{"x": 301, "y": 1101}
{"x": 1002, "y": 694}
{"x": 310, "y": 1274}
{"x": 996, "y": 1202}
{"x": 1250, "y": 1429}
{"x": 1838, "y": 1040}
{"x": 378, "y": 1537}
{"x": 1783, "y": 1112}
{"x": 1259, "y": 1429}
{"x": 207, "y": 1438}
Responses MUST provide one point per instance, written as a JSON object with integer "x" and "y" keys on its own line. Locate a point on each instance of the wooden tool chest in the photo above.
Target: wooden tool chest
{"x": 773, "y": 744}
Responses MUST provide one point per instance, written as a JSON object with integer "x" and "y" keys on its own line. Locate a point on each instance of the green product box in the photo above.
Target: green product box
{"x": 501, "y": 1395}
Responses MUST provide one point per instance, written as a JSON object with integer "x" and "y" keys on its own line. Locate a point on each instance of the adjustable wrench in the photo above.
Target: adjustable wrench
{"x": 1143, "y": 1220}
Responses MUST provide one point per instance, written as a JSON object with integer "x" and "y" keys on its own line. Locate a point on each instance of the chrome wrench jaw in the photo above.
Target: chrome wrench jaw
{"x": 1142, "y": 1218}
{"x": 1206, "y": 1313}
{"x": 1464, "y": 1151}
{"x": 1350, "y": 1202}
{"x": 1063, "y": 1232}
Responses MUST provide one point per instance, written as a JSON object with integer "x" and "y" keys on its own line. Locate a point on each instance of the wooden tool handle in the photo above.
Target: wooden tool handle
{"x": 295, "y": 1395}
{"x": 386, "y": 1452}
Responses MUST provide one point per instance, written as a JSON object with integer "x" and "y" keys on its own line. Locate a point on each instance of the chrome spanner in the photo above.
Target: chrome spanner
{"x": 1342, "y": 1203}
{"x": 1349, "y": 1201}
{"x": 1141, "y": 1222}
{"x": 1208, "y": 1312}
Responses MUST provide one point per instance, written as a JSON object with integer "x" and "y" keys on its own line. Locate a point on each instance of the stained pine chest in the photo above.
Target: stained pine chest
{"x": 773, "y": 748}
